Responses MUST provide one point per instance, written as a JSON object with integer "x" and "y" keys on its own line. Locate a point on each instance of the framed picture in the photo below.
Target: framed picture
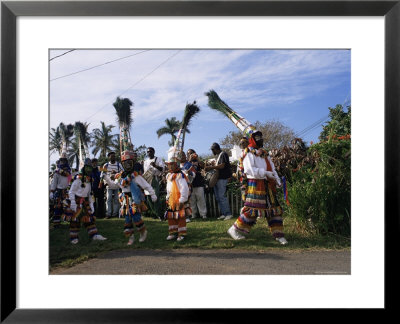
{"x": 12, "y": 125}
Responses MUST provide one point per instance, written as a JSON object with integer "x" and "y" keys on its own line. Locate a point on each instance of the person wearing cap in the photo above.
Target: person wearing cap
{"x": 260, "y": 198}
{"x": 81, "y": 197}
{"x": 224, "y": 167}
{"x": 112, "y": 167}
{"x": 155, "y": 166}
{"x": 177, "y": 196}
{"x": 131, "y": 197}
{"x": 197, "y": 198}
{"x": 58, "y": 191}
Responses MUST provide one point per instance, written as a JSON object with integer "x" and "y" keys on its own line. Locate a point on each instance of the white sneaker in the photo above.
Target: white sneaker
{"x": 221, "y": 217}
{"x": 98, "y": 237}
{"x": 235, "y": 234}
{"x": 187, "y": 220}
{"x": 281, "y": 240}
{"x": 228, "y": 217}
{"x": 143, "y": 236}
{"x": 131, "y": 240}
{"x": 74, "y": 241}
{"x": 171, "y": 237}
{"x": 204, "y": 217}
{"x": 180, "y": 238}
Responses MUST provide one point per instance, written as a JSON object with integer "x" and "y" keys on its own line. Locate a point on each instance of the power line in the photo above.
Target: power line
{"x": 137, "y": 82}
{"x": 61, "y": 54}
{"x": 319, "y": 122}
{"x": 93, "y": 67}
{"x": 312, "y": 126}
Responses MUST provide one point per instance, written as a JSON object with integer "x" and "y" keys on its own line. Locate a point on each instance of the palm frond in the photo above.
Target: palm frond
{"x": 173, "y": 124}
{"x": 163, "y": 131}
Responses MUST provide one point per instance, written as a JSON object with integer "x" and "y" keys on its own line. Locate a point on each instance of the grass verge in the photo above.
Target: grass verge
{"x": 202, "y": 234}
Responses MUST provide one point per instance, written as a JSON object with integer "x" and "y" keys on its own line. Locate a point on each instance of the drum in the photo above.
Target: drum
{"x": 211, "y": 178}
{"x": 148, "y": 176}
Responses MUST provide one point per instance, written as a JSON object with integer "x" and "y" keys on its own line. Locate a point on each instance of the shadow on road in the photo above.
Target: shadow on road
{"x": 226, "y": 255}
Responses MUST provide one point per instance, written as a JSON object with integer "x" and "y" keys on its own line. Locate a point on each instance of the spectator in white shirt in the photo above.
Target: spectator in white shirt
{"x": 112, "y": 167}
{"x": 155, "y": 166}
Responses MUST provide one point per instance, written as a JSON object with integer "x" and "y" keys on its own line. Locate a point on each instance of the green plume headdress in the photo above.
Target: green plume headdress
{"x": 190, "y": 111}
{"x": 66, "y": 131}
{"x": 215, "y": 102}
{"x": 124, "y": 117}
{"x": 80, "y": 131}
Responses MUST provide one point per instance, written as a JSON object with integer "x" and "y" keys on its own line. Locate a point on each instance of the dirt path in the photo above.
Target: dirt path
{"x": 214, "y": 262}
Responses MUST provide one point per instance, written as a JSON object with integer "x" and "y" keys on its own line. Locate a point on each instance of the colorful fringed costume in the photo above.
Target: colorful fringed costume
{"x": 59, "y": 193}
{"x": 130, "y": 182}
{"x": 258, "y": 176}
{"x": 82, "y": 207}
{"x": 177, "y": 196}
{"x": 259, "y": 192}
{"x": 132, "y": 199}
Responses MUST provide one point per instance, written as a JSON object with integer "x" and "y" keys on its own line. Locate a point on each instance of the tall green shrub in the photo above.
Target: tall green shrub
{"x": 320, "y": 197}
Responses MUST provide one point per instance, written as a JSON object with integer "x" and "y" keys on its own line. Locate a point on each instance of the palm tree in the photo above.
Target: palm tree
{"x": 172, "y": 126}
{"x": 55, "y": 142}
{"x": 103, "y": 139}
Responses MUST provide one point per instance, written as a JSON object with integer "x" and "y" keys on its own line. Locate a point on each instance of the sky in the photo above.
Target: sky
{"x": 294, "y": 87}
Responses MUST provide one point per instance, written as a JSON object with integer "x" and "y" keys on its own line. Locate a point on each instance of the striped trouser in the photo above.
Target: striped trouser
{"x": 133, "y": 220}
{"x": 59, "y": 208}
{"x": 261, "y": 201}
{"x": 83, "y": 215}
{"x": 176, "y": 222}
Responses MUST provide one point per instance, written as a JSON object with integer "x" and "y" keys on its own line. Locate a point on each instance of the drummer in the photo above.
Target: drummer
{"x": 225, "y": 173}
{"x": 197, "y": 199}
{"x": 156, "y": 166}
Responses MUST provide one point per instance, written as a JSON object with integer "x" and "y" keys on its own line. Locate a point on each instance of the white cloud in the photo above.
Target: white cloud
{"x": 246, "y": 79}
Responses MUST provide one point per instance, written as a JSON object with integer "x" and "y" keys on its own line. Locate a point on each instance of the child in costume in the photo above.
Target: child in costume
{"x": 80, "y": 195}
{"x": 177, "y": 196}
{"x": 190, "y": 172}
{"x": 59, "y": 191}
{"x": 131, "y": 197}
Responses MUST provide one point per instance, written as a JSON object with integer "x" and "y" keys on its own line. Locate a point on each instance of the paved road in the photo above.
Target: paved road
{"x": 214, "y": 262}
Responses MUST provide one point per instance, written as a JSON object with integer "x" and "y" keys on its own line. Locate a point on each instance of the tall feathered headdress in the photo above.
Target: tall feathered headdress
{"x": 124, "y": 116}
{"x": 190, "y": 111}
{"x": 66, "y": 131}
{"x": 80, "y": 131}
{"x": 215, "y": 102}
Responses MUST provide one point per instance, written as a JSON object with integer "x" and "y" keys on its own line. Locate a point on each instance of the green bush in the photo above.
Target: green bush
{"x": 320, "y": 197}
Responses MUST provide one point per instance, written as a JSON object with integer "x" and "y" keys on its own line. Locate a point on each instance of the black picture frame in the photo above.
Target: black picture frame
{"x": 10, "y": 10}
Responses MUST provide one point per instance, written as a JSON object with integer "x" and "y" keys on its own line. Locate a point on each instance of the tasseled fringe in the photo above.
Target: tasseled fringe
{"x": 169, "y": 214}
